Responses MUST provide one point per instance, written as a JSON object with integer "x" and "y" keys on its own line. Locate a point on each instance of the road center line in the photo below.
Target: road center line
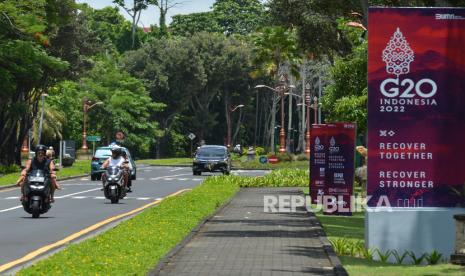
{"x": 68, "y": 195}
{"x": 177, "y": 169}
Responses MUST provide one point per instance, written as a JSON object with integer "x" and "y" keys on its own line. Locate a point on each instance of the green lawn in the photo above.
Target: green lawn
{"x": 79, "y": 167}
{"x": 167, "y": 161}
{"x": 255, "y": 164}
{"x": 136, "y": 245}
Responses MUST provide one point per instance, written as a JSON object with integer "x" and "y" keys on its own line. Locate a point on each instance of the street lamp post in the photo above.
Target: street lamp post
{"x": 307, "y": 134}
{"x": 231, "y": 110}
{"x": 86, "y": 106}
{"x": 315, "y": 109}
{"x": 281, "y": 90}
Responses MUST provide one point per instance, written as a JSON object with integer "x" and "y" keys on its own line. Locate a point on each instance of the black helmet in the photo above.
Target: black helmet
{"x": 40, "y": 148}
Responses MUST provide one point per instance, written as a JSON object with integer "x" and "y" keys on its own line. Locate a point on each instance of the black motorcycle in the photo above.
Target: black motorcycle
{"x": 37, "y": 193}
{"x": 113, "y": 184}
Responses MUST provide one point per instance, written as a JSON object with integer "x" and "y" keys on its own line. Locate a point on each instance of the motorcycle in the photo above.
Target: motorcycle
{"x": 113, "y": 184}
{"x": 37, "y": 193}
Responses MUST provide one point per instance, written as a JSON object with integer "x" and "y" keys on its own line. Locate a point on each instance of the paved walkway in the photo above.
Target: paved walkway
{"x": 241, "y": 239}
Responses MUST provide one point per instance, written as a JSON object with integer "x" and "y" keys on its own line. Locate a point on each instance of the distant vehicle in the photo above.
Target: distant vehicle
{"x": 102, "y": 154}
{"x": 210, "y": 158}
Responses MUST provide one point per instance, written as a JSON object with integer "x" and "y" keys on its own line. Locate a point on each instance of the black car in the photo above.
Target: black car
{"x": 212, "y": 159}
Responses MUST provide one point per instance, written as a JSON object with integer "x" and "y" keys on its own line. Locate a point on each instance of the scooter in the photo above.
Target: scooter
{"x": 113, "y": 184}
{"x": 37, "y": 193}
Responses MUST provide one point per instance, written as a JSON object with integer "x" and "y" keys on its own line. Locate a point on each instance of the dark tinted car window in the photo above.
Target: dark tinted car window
{"x": 211, "y": 152}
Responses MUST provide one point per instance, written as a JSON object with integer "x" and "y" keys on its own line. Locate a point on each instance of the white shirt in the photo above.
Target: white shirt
{"x": 116, "y": 162}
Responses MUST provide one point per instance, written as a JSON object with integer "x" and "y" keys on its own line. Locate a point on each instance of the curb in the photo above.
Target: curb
{"x": 167, "y": 258}
{"x": 338, "y": 268}
{"x": 59, "y": 179}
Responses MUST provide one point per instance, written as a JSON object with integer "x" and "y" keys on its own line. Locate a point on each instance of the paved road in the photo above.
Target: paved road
{"x": 81, "y": 204}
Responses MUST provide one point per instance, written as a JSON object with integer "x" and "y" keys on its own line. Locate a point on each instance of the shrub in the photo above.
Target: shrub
{"x": 9, "y": 169}
{"x": 279, "y": 178}
{"x": 284, "y": 157}
{"x": 434, "y": 257}
{"x": 416, "y": 260}
{"x": 302, "y": 157}
{"x": 259, "y": 151}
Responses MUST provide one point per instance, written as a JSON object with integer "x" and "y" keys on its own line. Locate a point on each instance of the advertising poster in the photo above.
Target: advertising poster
{"x": 332, "y": 166}
{"x": 318, "y": 161}
{"x": 340, "y": 166}
{"x": 416, "y": 106}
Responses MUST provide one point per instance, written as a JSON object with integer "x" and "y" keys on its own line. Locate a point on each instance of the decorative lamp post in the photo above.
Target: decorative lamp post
{"x": 315, "y": 109}
{"x": 307, "y": 134}
{"x": 231, "y": 110}
{"x": 281, "y": 90}
{"x": 86, "y": 106}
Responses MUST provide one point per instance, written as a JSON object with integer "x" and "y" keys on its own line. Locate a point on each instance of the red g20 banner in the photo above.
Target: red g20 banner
{"x": 416, "y": 106}
{"x": 332, "y": 166}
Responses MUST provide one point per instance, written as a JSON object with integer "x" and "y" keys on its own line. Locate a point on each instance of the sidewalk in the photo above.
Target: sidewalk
{"x": 241, "y": 239}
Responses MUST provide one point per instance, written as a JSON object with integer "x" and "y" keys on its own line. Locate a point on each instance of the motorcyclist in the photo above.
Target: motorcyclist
{"x": 117, "y": 159}
{"x": 129, "y": 168}
{"x": 40, "y": 162}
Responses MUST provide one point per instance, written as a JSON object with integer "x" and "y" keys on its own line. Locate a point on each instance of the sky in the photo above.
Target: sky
{"x": 150, "y": 16}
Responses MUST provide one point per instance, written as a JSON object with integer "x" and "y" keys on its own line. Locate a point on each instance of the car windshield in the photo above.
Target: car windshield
{"x": 211, "y": 152}
{"x": 103, "y": 153}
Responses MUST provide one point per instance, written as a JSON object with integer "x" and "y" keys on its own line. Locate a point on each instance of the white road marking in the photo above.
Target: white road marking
{"x": 12, "y": 197}
{"x": 85, "y": 178}
{"x": 177, "y": 169}
{"x": 68, "y": 195}
{"x": 183, "y": 179}
{"x": 143, "y": 198}
{"x": 197, "y": 179}
{"x": 79, "y": 197}
{"x": 9, "y": 209}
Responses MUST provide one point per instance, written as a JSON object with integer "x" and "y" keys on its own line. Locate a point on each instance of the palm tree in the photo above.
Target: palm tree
{"x": 274, "y": 48}
{"x": 52, "y": 125}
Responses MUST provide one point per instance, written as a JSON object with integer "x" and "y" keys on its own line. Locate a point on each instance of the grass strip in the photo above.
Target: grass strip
{"x": 136, "y": 245}
{"x": 79, "y": 167}
{"x": 167, "y": 161}
{"x": 256, "y": 165}
{"x": 279, "y": 178}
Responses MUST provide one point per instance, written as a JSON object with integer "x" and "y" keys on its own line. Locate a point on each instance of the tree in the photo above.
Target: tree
{"x": 239, "y": 16}
{"x": 229, "y": 17}
{"x": 134, "y": 11}
{"x": 26, "y": 69}
{"x": 164, "y": 6}
{"x": 188, "y": 24}
{"x": 274, "y": 47}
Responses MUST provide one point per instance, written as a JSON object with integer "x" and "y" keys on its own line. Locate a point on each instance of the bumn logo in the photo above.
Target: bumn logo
{"x": 398, "y": 55}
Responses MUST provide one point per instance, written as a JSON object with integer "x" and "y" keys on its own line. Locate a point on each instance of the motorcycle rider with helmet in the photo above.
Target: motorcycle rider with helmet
{"x": 40, "y": 162}
{"x": 117, "y": 159}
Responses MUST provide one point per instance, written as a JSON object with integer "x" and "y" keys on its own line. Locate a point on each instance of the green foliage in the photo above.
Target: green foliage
{"x": 284, "y": 157}
{"x": 9, "y": 169}
{"x": 153, "y": 233}
{"x": 434, "y": 257}
{"x": 228, "y": 17}
{"x": 279, "y": 178}
{"x": 383, "y": 257}
{"x": 399, "y": 258}
{"x": 416, "y": 260}
{"x": 302, "y": 157}
{"x": 346, "y": 98}
{"x": 259, "y": 151}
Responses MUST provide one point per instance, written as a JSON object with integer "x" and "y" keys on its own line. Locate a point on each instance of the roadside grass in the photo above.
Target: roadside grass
{"x": 256, "y": 165}
{"x": 278, "y": 178}
{"x": 136, "y": 245}
{"x": 167, "y": 161}
{"x": 79, "y": 167}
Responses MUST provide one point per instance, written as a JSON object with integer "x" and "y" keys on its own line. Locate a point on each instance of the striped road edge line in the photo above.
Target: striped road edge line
{"x": 76, "y": 235}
